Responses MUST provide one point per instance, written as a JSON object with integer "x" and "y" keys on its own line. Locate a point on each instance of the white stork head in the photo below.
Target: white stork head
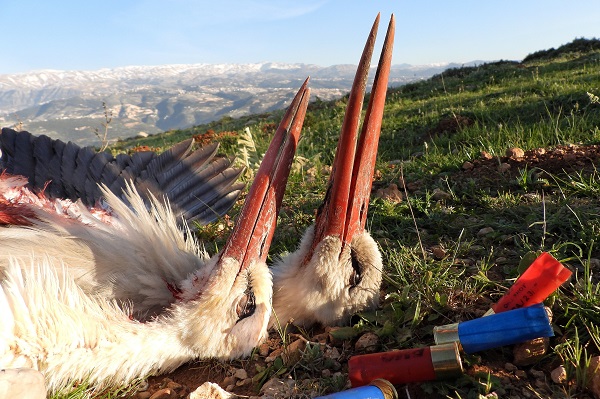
{"x": 242, "y": 263}
{"x": 336, "y": 271}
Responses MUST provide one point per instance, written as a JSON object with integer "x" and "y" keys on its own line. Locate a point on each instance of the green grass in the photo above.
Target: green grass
{"x": 546, "y": 101}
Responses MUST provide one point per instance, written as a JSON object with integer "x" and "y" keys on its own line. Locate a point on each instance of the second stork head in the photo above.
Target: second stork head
{"x": 337, "y": 269}
{"x": 247, "y": 247}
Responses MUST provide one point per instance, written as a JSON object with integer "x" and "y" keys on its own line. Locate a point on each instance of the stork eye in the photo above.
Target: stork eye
{"x": 357, "y": 269}
{"x": 246, "y": 305}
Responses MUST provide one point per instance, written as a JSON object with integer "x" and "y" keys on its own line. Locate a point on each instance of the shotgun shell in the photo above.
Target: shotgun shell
{"x": 377, "y": 389}
{"x": 497, "y": 330}
{"x": 407, "y": 365}
{"x": 540, "y": 280}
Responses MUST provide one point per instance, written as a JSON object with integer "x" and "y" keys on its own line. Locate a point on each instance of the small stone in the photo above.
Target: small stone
{"x": 537, "y": 374}
{"x": 438, "y": 252}
{"x": 391, "y": 194}
{"x": 321, "y": 338}
{"x": 212, "y": 391}
{"x": 293, "y": 352}
{"x": 141, "y": 135}
{"x": 530, "y": 352}
{"x": 559, "y": 375}
{"x": 165, "y": 393}
{"x": 520, "y": 373}
{"x": 515, "y": 153}
{"x": 486, "y": 155}
{"x": 593, "y": 371}
{"x": 526, "y": 393}
{"x": 276, "y": 388}
{"x": 541, "y": 384}
{"x": 165, "y": 381}
{"x": 368, "y": 342}
{"x": 326, "y": 373}
{"x": 22, "y": 383}
{"x": 440, "y": 195}
{"x": 468, "y": 166}
{"x": 174, "y": 386}
{"x": 263, "y": 349}
{"x": 332, "y": 353}
{"x": 143, "y": 386}
{"x": 312, "y": 172}
{"x": 539, "y": 151}
{"x": 229, "y": 380}
{"x": 274, "y": 355}
{"x": 240, "y": 374}
{"x": 503, "y": 167}
{"x": 510, "y": 367}
{"x": 142, "y": 395}
{"x": 501, "y": 260}
{"x": 333, "y": 337}
{"x": 240, "y": 383}
{"x": 336, "y": 366}
{"x": 413, "y": 186}
{"x": 485, "y": 231}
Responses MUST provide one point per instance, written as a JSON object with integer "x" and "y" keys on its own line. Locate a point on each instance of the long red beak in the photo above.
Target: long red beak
{"x": 344, "y": 212}
{"x": 253, "y": 232}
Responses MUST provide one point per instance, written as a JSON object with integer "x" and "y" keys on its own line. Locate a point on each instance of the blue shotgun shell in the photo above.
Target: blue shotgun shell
{"x": 377, "y": 389}
{"x": 506, "y": 328}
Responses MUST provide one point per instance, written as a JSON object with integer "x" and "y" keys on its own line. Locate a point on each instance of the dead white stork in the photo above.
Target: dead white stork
{"x": 55, "y": 321}
{"x": 337, "y": 268}
{"x": 336, "y": 271}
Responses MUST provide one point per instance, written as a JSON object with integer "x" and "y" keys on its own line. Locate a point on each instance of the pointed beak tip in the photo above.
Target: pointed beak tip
{"x": 344, "y": 212}
{"x": 252, "y": 235}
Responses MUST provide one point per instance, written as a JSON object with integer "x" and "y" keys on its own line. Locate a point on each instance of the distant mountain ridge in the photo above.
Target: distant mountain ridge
{"x": 151, "y": 99}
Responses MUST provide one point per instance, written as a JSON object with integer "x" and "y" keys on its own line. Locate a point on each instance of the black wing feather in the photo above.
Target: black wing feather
{"x": 199, "y": 186}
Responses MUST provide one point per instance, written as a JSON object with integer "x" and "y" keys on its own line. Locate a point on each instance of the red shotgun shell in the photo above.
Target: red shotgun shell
{"x": 540, "y": 280}
{"x": 407, "y": 365}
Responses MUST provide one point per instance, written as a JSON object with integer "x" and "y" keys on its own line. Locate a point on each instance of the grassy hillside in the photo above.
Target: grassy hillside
{"x": 470, "y": 217}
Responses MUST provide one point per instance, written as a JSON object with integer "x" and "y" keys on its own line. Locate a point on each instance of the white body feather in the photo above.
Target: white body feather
{"x": 69, "y": 290}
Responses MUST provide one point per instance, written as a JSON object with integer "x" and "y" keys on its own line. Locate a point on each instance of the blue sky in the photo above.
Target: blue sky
{"x": 89, "y": 34}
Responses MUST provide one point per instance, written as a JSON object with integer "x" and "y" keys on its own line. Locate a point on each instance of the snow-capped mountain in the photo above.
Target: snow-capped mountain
{"x": 151, "y": 99}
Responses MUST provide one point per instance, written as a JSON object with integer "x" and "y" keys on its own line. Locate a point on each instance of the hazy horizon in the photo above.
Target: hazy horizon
{"x": 72, "y": 35}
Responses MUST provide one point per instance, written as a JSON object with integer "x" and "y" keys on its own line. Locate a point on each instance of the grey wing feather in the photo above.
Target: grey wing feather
{"x": 42, "y": 150}
{"x": 218, "y": 207}
{"x": 23, "y": 145}
{"x": 165, "y": 160}
{"x": 67, "y": 169}
{"x": 56, "y": 188}
{"x": 203, "y": 191}
{"x": 199, "y": 186}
